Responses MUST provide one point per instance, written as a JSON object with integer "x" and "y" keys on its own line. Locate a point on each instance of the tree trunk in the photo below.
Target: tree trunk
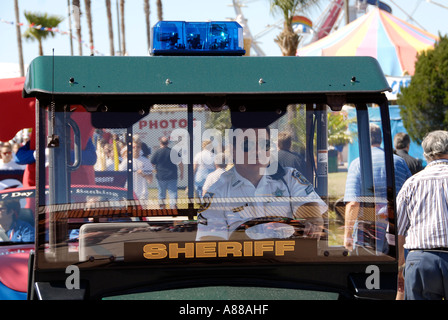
{"x": 123, "y": 38}
{"x": 288, "y": 41}
{"x": 159, "y": 10}
{"x": 77, "y": 15}
{"x": 89, "y": 25}
{"x": 111, "y": 30}
{"x": 148, "y": 25}
{"x": 41, "y": 49}
{"x": 19, "y": 38}
{"x": 70, "y": 33}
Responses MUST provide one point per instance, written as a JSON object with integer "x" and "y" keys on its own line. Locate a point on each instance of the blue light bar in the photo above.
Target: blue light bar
{"x": 197, "y": 38}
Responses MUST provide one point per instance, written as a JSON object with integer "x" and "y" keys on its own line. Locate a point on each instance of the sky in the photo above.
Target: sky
{"x": 430, "y": 15}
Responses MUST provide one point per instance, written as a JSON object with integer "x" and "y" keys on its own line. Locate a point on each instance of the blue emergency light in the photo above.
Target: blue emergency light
{"x": 197, "y": 38}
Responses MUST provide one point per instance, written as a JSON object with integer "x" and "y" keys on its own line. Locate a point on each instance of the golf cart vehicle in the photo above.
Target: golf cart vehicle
{"x": 191, "y": 99}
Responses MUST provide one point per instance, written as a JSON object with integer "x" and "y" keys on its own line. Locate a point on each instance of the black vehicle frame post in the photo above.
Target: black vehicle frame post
{"x": 191, "y": 202}
{"x": 365, "y": 150}
{"x": 390, "y": 169}
{"x": 322, "y": 150}
{"x": 58, "y": 173}
{"x": 40, "y": 170}
{"x": 366, "y": 163}
{"x": 130, "y": 163}
{"x": 309, "y": 150}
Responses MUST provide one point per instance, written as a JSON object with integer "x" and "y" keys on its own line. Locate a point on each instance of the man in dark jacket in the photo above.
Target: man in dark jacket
{"x": 166, "y": 173}
{"x": 401, "y": 144}
{"x": 287, "y": 158}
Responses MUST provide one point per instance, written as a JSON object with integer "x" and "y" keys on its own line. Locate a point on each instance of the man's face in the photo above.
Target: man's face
{"x": 252, "y": 148}
{"x": 6, "y": 155}
{"x": 136, "y": 149}
{"x": 5, "y": 215}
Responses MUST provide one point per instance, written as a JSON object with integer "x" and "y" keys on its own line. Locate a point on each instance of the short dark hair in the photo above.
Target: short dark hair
{"x": 401, "y": 140}
{"x": 164, "y": 141}
{"x": 13, "y": 205}
{"x": 375, "y": 134}
{"x": 284, "y": 140}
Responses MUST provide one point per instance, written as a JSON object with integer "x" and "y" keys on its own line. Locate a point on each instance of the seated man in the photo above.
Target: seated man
{"x": 254, "y": 200}
{"x": 15, "y": 230}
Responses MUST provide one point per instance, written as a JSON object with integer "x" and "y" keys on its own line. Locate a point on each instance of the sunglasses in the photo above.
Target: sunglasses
{"x": 249, "y": 145}
{"x": 6, "y": 153}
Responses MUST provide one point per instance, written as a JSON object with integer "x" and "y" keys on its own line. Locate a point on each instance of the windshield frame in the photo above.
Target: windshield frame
{"x": 96, "y": 267}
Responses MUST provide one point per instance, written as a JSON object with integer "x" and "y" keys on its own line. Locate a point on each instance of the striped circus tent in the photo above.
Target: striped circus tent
{"x": 392, "y": 41}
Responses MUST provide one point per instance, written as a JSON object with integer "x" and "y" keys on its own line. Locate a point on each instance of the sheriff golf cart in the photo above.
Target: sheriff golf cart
{"x": 193, "y": 88}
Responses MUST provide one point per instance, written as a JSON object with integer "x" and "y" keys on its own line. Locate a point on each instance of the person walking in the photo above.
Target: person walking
{"x": 358, "y": 223}
{"x": 287, "y": 158}
{"x": 422, "y": 218}
{"x": 402, "y": 143}
{"x": 166, "y": 173}
{"x": 203, "y": 165}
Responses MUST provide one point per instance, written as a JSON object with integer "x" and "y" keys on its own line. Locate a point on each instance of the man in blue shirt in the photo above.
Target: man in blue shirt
{"x": 15, "y": 230}
{"x": 366, "y": 226}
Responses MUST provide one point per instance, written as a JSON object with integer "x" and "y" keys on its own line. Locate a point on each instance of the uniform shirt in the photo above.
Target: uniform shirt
{"x": 422, "y": 208}
{"x": 233, "y": 200}
{"x": 212, "y": 178}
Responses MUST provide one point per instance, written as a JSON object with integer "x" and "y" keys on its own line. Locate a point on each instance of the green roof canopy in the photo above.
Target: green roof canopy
{"x": 90, "y": 75}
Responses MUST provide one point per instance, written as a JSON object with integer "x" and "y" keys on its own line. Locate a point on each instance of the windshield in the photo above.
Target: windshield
{"x": 182, "y": 184}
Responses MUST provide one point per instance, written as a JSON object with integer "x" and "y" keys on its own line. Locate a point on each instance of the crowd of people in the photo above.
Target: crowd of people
{"x": 422, "y": 213}
{"x": 9, "y": 164}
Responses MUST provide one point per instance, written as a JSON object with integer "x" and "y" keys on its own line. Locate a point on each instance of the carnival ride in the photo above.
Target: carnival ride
{"x": 335, "y": 15}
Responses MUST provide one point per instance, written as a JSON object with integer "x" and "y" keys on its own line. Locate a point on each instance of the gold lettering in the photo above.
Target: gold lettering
{"x": 226, "y": 248}
{"x": 188, "y": 250}
{"x": 248, "y": 249}
{"x": 282, "y": 246}
{"x": 222, "y": 249}
{"x": 205, "y": 249}
{"x": 154, "y": 251}
{"x": 261, "y": 246}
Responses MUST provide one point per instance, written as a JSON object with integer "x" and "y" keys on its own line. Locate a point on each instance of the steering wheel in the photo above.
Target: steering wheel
{"x": 270, "y": 227}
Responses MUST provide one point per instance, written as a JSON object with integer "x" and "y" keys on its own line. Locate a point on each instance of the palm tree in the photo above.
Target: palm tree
{"x": 89, "y": 25}
{"x": 123, "y": 38}
{"x": 148, "y": 25}
{"x": 44, "y": 21}
{"x": 288, "y": 40}
{"x": 70, "y": 33}
{"x": 77, "y": 6}
{"x": 111, "y": 30}
{"x": 159, "y": 10}
{"x": 19, "y": 38}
